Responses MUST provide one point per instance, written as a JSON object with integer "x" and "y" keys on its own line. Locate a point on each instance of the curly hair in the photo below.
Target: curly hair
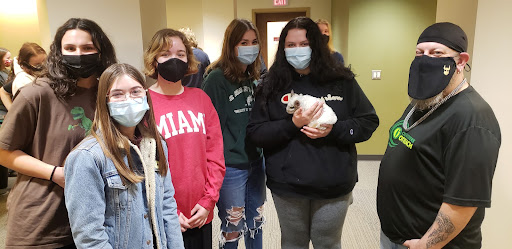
{"x": 324, "y": 70}
{"x": 62, "y": 81}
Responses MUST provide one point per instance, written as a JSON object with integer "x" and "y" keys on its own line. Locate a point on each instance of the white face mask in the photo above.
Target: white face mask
{"x": 298, "y": 57}
{"x": 130, "y": 112}
{"x": 248, "y": 54}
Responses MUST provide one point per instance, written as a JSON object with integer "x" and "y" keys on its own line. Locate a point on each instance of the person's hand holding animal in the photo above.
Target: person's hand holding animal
{"x": 315, "y": 133}
{"x": 303, "y": 117}
{"x": 313, "y": 112}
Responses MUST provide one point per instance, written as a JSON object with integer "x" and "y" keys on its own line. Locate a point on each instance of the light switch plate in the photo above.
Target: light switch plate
{"x": 376, "y": 74}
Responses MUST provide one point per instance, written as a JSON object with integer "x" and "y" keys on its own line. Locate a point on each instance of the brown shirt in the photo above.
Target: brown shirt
{"x": 46, "y": 128}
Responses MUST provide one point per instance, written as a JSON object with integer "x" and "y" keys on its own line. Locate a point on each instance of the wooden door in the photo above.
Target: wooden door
{"x": 262, "y": 17}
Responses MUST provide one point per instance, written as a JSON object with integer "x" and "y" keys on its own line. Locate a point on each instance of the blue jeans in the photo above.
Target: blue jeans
{"x": 240, "y": 206}
{"x": 385, "y": 243}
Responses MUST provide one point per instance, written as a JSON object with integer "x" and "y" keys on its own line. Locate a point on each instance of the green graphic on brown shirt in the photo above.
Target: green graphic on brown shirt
{"x": 79, "y": 114}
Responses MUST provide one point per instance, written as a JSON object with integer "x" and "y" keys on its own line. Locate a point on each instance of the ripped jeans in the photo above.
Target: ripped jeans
{"x": 240, "y": 206}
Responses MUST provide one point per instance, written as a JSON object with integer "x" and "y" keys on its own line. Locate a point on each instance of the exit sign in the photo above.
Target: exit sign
{"x": 280, "y": 2}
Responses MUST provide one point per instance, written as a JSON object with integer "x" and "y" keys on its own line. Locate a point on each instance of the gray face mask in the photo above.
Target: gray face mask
{"x": 298, "y": 57}
{"x": 130, "y": 112}
{"x": 248, "y": 54}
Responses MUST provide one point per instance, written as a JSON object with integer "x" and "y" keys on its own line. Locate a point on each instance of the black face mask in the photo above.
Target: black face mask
{"x": 429, "y": 76}
{"x": 82, "y": 66}
{"x": 326, "y": 38}
{"x": 172, "y": 70}
{"x": 33, "y": 68}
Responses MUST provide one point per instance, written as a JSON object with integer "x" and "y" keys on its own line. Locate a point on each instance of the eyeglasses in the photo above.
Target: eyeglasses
{"x": 119, "y": 95}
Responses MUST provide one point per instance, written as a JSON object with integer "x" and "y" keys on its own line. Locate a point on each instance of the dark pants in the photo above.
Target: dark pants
{"x": 198, "y": 238}
{"x": 4, "y": 177}
{"x": 4, "y": 172}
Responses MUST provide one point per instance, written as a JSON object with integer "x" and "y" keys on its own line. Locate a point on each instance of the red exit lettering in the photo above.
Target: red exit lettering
{"x": 280, "y": 2}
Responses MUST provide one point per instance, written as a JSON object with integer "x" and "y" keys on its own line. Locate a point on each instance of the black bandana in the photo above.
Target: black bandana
{"x": 447, "y": 34}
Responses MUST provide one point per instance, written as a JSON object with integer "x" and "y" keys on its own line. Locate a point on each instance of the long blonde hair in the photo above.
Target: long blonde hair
{"x": 329, "y": 44}
{"x": 114, "y": 144}
{"x": 161, "y": 41}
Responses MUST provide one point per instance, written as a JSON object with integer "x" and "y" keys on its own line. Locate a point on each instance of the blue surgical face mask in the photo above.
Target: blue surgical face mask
{"x": 248, "y": 54}
{"x": 298, "y": 57}
{"x": 130, "y": 112}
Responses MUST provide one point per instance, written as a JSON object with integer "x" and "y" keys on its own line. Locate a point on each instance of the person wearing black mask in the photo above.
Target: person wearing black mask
{"x": 47, "y": 119}
{"x": 325, "y": 28}
{"x": 30, "y": 58}
{"x": 435, "y": 178}
{"x": 186, "y": 118}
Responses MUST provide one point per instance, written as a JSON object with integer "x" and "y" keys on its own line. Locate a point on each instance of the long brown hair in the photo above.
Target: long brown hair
{"x": 114, "y": 144}
{"x": 27, "y": 51}
{"x": 228, "y": 61}
{"x": 3, "y": 52}
{"x": 161, "y": 41}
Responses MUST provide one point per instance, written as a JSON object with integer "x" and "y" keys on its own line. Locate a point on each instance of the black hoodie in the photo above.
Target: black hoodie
{"x": 298, "y": 166}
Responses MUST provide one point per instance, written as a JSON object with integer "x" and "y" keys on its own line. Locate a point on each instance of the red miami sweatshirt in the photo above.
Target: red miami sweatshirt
{"x": 190, "y": 126}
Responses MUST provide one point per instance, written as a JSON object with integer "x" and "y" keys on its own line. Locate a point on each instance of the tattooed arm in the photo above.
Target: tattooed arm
{"x": 450, "y": 220}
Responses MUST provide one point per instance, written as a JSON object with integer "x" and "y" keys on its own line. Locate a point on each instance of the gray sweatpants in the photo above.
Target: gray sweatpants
{"x": 320, "y": 221}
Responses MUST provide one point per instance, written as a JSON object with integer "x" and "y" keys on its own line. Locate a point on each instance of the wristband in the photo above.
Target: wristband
{"x": 53, "y": 172}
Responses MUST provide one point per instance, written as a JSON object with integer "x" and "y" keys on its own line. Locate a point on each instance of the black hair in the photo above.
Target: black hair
{"x": 324, "y": 69}
{"x": 61, "y": 80}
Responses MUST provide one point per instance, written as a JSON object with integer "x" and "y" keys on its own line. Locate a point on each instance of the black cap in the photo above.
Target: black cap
{"x": 447, "y": 34}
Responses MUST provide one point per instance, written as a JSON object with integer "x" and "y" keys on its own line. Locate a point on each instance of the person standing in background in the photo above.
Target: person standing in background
{"x": 5, "y": 62}
{"x": 5, "y": 97}
{"x": 47, "y": 119}
{"x": 187, "y": 120}
{"x": 31, "y": 59}
{"x": 230, "y": 85}
{"x": 325, "y": 28}
{"x": 195, "y": 80}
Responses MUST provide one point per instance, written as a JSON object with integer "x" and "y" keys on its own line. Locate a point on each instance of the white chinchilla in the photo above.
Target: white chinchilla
{"x": 297, "y": 101}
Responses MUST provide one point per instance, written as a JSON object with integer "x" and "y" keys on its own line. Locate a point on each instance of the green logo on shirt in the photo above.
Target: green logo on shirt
{"x": 79, "y": 114}
{"x": 397, "y": 134}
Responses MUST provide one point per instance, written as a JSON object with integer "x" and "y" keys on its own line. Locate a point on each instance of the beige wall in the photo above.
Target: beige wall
{"x": 465, "y": 17}
{"x": 123, "y": 27}
{"x": 491, "y": 65}
{"x": 382, "y": 35}
{"x": 339, "y": 24}
{"x": 44, "y": 25}
{"x": 153, "y": 18}
{"x": 214, "y": 25}
{"x": 208, "y": 19}
{"x": 187, "y": 13}
{"x": 19, "y": 24}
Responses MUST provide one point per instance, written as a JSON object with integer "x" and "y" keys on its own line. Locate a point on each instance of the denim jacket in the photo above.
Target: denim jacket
{"x": 104, "y": 213}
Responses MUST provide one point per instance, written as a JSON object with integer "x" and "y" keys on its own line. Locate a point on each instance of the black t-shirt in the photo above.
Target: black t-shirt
{"x": 449, "y": 157}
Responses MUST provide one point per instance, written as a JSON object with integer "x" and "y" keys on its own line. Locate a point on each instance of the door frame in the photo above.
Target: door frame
{"x": 263, "y": 33}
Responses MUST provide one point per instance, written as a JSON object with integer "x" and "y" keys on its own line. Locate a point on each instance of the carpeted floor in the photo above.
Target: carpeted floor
{"x": 361, "y": 230}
